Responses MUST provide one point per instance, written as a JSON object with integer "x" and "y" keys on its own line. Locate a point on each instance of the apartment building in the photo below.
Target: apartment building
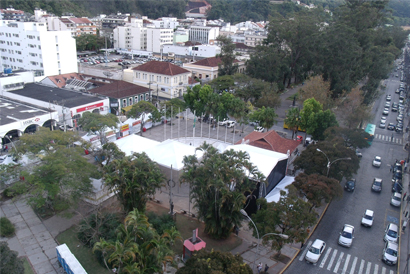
{"x": 252, "y": 39}
{"x": 166, "y": 23}
{"x": 29, "y": 46}
{"x": 203, "y": 34}
{"x": 77, "y": 26}
{"x": 12, "y": 14}
{"x": 134, "y": 36}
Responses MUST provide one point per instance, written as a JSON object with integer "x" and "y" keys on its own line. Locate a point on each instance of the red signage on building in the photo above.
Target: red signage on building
{"x": 89, "y": 107}
{"x": 125, "y": 128}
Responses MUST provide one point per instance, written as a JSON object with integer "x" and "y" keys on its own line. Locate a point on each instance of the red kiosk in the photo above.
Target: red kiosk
{"x": 192, "y": 244}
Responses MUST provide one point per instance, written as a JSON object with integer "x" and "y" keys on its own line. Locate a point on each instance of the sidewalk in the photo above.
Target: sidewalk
{"x": 32, "y": 238}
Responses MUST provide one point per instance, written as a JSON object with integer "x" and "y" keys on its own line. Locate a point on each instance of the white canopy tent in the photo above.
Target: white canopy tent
{"x": 171, "y": 153}
{"x": 274, "y": 195}
{"x": 265, "y": 160}
{"x": 134, "y": 143}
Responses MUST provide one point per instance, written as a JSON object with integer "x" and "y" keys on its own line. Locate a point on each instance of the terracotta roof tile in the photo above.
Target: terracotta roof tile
{"x": 81, "y": 20}
{"x": 61, "y": 79}
{"x": 271, "y": 141}
{"x": 211, "y": 62}
{"x": 159, "y": 67}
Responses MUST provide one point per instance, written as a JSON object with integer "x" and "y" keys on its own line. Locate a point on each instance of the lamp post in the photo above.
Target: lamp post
{"x": 243, "y": 212}
{"x": 329, "y": 163}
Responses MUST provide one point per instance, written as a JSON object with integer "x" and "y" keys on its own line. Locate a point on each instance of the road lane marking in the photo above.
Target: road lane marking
{"x": 391, "y": 272}
{"x": 339, "y": 260}
{"x": 361, "y": 267}
{"x": 322, "y": 264}
{"x": 383, "y": 270}
{"x": 369, "y": 265}
{"x": 346, "y": 264}
{"x": 305, "y": 251}
{"x": 332, "y": 259}
{"x": 353, "y": 265}
{"x": 376, "y": 268}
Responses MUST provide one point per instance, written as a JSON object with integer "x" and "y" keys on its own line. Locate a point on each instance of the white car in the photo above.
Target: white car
{"x": 390, "y": 253}
{"x": 377, "y": 161}
{"x": 230, "y": 123}
{"x": 391, "y": 233}
{"x": 383, "y": 119}
{"x": 222, "y": 123}
{"x": 368, "y": 218}
{"x": 259, "y": 129}
{"x": 346, "y": 236}
{"x": 315, "y": 251}
{"x": 386, "y": 111}
{"x": 395, "y": 199}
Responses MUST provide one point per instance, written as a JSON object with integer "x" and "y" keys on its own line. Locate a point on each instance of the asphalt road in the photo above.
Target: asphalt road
{"x": 364, "y": 256}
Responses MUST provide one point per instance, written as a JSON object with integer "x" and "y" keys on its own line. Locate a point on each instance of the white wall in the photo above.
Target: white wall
{"x": 203, "y": 50}
{"x": 29, "y": 46}
{"x": 156, "y": 38}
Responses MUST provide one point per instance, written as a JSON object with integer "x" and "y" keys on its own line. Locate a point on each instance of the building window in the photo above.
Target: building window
{"x": 141, "y": 97}
{"x": 130, "y": 101}
{"x": 136, "y": 99}
{"x": 146, "y": 96}
{"x": 124, "y": 102}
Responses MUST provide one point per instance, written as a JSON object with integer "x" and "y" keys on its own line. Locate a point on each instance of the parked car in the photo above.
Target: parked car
{"x": 358, "y": 153}
{"x": 223, "y": 122}
{"x": 377, "y": 184}
{"x": 368, "y": 217}
{"x": 391, "y": 126}
{"x": 230, "y": 124}
{"x": 346, "y": 236}
{"x": 395, "y": 199}
{"x": 382, "y": 125}
{"x": 390, "y": 252}
{"x": 377, "y": 161}
{"x": 397, "y": 187}
{"x": 350, "y": 185}
{"x": 397, "y": 176}
{"x": 396, "y": 167}
{"x": 386, "y": 111}
{"x": 391, "y": 234}
{"x": 259, "y": 129}
{"x": 388, "y": 97}
{"x": 315, "y": 251}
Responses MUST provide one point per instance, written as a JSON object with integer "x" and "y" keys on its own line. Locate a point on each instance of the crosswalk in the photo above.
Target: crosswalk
{"x": 388, "y": 138}
{"x": 340, "y": 262}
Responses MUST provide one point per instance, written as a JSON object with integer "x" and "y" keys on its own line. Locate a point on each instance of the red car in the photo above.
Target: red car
{"x": 299, "y": 138}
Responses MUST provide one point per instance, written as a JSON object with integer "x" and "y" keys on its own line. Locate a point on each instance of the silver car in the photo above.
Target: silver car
{"x": 391, "y": 233}
{"x": 315, "y": 251}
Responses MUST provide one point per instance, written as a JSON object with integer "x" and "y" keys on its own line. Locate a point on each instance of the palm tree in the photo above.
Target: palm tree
{"x": 292, "y": 120}
{"x": 172, "y": 235}
{"x": 105, "y": 247}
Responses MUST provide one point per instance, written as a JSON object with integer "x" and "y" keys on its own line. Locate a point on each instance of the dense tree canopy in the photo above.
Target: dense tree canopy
{"x": 218, "y": 184}
{"x": 213, "y": 262}
{"x": 9, "y": 261}
{"x": 63, "y": 172}
{"x": 140, "y": 110}
{"x": 133, "y": 178}
{"x": 98, "y": 123}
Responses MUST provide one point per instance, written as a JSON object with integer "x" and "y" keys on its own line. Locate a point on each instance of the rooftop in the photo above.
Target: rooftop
{"x": 13, "y": 110}
{"x": 60, "y": 96}
{"x": 159, "y": 67}
{"x": 271, "y": 141}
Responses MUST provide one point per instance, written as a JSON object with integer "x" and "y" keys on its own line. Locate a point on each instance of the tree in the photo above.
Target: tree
{"x": 270, "y": 97}
{"x": 251, "y": 89}
{"x": 312, "y": 161}
{"x": 227, "y": 56}
{"x": 133, "y": 178}
{"x": 307, "y": 114}
{"x": 90, "y": 42}
{"x": 239, "y": 110}
{"x": 63, "y": 172}
{"x": 138, "y": 248}
{"x": 140, "y": 110}
{"x": 290, "y": 216}
{"x": 353, "y": 110}
{"x": 218, "y": 183}
{"x": 265, "y": 116}
{"x": 9, "y": 262}
{"x": 292, "y": 120}
{"x": 321, "y": 121}
{"x": 98, "y": 123}
{"x": 210, "y": 262}
{"x": 353, "y": 138}
{"x": 173, "y": 106}
{"x": 317, "y": 188}
{"x": 222, "y": 83}
{"x": 315, "y": 87}
{"x": 109, "y": 152}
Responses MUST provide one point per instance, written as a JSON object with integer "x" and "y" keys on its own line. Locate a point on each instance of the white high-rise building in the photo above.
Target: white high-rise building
{"x": 203, "y": 34}
{"x": 133, "y": 36}
{"x": 29, "y": 46}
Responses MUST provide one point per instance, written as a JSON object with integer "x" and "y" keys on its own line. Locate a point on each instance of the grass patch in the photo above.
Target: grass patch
{"x": 83, "y": 254}
{"x": 27, "y": 266}
{"x": 185, "y": 225}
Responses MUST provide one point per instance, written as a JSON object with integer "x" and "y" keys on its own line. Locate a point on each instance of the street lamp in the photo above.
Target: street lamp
{"x": 12, "y": 144}
{"x": 329, "y": 164}
{"x": 243, "y": 212}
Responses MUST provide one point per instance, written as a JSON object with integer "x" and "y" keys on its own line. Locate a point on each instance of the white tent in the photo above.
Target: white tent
{"x": 171, "y": 152}
{"x": 265, "y": 160}
{"x": 274, "y": 195}
{"x": 134, "y": 143}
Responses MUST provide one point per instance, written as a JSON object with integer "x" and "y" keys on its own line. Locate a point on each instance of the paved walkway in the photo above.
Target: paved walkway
{"x": 32, "y": 238}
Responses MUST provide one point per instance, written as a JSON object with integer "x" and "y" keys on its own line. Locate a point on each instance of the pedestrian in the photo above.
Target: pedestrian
{"x": 6, "y": 149}
{"x": 397, "y": 161}
{"x": 266, "y": 268}
{"x": 259, "y": 267}
{"x": 391, "y": 168}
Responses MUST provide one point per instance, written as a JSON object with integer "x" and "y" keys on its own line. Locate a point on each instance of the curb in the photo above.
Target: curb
{"x": 310, "y": 234}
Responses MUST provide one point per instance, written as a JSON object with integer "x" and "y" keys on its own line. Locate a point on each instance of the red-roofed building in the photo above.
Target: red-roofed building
{"x": 207, "y": 69}
{"x": 166, "y": 80}
{"x": 121, "y": 94}
{"x": 271, "y": 141}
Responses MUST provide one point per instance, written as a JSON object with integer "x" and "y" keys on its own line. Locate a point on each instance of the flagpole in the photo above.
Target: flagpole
{"x": 209, "y": 130}
{"x": 217, "y": 130}
{"x": 186, "y": 124}
{"x": 172, "y": 116}
{"x": 165, "y": 124}
{"x": 193, "y": 130}
{"x": 179, "y": 120}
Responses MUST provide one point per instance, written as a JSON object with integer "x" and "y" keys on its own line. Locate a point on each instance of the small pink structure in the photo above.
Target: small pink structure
{"x": 192, "y": 244}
